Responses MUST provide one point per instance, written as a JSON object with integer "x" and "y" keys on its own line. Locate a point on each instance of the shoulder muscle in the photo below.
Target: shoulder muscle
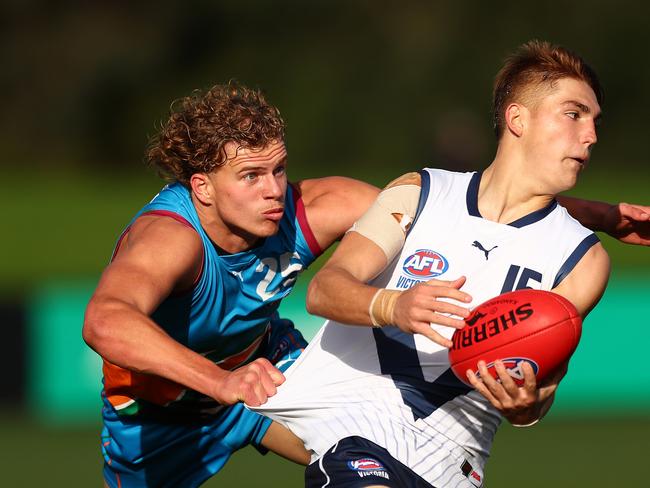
{"x": 157, "y": 256}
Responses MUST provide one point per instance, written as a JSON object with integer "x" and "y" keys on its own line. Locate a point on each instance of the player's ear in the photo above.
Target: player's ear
{"x": 515, "y": 116}
{"x": 202, "y": 187}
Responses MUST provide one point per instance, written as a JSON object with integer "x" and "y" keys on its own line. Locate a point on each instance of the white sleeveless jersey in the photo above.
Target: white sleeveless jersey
{"x": 396, "y": 389}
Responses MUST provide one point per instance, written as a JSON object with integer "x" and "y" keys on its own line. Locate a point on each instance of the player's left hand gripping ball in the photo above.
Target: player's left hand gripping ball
{"x": 534, "y": 326}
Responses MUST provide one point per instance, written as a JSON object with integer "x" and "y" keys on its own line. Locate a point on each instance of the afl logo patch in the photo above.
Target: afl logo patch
{"x": 425, "y": 263}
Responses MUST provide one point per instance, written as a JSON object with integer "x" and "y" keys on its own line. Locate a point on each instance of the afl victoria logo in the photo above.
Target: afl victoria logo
{"x": 425, "y": 263}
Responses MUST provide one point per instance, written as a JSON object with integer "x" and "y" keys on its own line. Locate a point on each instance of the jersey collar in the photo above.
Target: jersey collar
{"x": 472, "y": 205}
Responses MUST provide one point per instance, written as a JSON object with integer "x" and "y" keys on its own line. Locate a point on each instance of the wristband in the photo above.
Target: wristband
{"x": 382, "y": 306}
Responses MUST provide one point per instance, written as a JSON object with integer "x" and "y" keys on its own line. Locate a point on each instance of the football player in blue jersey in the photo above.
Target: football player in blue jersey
{"x": 185, "y": 315}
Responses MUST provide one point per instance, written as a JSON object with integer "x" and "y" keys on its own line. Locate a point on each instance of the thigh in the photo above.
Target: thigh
{"x": 355, "y": 462}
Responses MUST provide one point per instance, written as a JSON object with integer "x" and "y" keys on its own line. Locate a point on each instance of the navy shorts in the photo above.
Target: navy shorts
{"x": 355, "y": 462}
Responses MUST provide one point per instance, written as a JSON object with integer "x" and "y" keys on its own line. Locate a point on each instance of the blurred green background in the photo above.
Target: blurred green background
{"x": 368, "y": 89}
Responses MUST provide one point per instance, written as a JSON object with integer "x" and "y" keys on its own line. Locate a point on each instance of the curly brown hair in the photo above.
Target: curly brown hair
{"x": 533, "y": 65}
{"x": 194, "y": 137}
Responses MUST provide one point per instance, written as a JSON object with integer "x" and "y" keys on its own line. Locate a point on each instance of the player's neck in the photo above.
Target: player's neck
{"x": 507, "y": 193}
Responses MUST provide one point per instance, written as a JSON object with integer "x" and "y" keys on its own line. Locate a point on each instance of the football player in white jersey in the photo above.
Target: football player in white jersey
{"x": 203, "y": 238}
{"x": 378, "y": 405}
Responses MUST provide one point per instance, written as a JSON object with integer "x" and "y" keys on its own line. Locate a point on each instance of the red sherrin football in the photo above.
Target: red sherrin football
{"x": 537, "y": 326}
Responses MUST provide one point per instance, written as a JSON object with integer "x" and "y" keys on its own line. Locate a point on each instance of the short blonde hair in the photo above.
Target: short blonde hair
{"x": 533, "y": 66}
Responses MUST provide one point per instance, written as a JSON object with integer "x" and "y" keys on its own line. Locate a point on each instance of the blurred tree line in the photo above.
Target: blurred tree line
{"x": 369, "y": 89}
{"x": 363, "y": 85}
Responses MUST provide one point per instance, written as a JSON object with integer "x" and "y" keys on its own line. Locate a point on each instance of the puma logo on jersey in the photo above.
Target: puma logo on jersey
{"x": 238, "y": 275}
{"x": 478, "y": 245}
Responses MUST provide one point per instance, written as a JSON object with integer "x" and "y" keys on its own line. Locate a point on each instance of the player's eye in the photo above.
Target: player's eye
{"x": 280, "y": 170}
{"x": 249, "y": 176}
{"x": 573, "y": 115}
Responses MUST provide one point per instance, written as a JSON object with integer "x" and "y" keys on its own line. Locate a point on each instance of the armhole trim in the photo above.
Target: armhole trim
{"x": 301, "y": 215}
{"x": 472, "y": 195}
{"x": 425, "y": 179}
{"x": 577, "y": 254}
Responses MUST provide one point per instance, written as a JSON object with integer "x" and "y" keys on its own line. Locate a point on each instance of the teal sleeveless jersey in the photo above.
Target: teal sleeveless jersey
{"x": 227, "y": 315}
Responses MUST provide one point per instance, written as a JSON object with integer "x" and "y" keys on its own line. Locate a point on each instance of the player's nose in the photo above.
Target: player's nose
{"x": 589, "y": 135}
{"x": 273, "y": 187}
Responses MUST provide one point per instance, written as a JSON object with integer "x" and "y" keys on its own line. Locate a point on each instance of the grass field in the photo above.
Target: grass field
{"x": 564, "y": 452}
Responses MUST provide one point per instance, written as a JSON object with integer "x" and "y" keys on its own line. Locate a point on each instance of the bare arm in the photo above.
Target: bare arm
{"x": 285, "y": 443}
{"x": 629, "y": 223}
{"x": 333, "y": 204}
{"x": 160, "y": 256}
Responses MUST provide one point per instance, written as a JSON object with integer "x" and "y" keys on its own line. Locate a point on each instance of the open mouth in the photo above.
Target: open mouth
{"x": 581, "y": 161}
